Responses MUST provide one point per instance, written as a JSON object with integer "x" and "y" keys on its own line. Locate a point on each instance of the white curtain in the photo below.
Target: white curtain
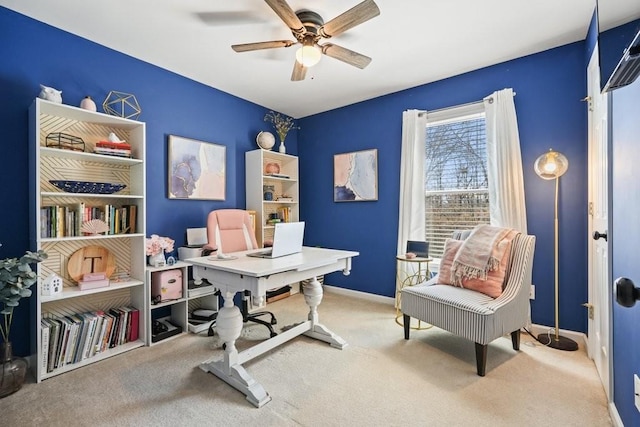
{"x": 504, "y": 162}
{"x": 411, "y": 210}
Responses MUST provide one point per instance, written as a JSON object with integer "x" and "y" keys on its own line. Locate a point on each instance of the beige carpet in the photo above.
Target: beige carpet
{"x": 378, "y": 380}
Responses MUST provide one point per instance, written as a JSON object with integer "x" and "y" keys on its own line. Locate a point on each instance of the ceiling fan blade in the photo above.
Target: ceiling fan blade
{"x": 246, "y": 47}
{"x": 299, "y": 72}
{"x": 345, "y": 55}
{"x": 355, "y": 16}
{"x": 284, "y": 11}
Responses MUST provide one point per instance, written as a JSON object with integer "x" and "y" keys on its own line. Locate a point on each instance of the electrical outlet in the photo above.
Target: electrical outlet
{"x": 532, "y": 292}
{"x": 636, "y": 391}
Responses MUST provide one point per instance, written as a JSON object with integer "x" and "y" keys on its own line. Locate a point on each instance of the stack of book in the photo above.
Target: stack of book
{"x": 76, "y": 337}
{"x": 120, "y": 149}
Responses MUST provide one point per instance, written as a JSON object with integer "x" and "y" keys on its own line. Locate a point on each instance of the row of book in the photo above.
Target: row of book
{"x": 67, "y": 220}
{"x": 284, "y": 213}
{"x": 120, "y": 149}
{"x": 72, "y": 339}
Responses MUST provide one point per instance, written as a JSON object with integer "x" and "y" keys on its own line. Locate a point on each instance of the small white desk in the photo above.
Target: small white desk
{"x": 257, "y": 275}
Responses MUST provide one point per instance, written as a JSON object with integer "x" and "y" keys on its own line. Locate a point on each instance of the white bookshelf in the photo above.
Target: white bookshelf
{"x": 49, "y": 163}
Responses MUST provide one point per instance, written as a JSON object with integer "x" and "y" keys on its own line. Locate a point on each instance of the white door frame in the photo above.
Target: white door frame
{"x": 599, "y": 196}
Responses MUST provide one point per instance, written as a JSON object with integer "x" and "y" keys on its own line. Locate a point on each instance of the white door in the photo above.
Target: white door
{"x": 599, "y": 295}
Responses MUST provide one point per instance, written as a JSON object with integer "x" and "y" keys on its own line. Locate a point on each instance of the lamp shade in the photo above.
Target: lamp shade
{"x": 551, "y": 165}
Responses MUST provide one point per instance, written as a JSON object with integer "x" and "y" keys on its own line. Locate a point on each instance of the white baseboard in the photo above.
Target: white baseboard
{"x": 615, "y": 416}
{"x": 358, "y": 294}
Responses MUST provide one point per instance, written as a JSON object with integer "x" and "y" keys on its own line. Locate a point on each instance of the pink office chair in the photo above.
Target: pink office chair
{"x": 230, "y": 230}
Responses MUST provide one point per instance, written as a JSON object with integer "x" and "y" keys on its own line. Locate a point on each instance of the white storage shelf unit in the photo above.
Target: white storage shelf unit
{"x": 45, "y": 164}
{"x": 179, "y": 308}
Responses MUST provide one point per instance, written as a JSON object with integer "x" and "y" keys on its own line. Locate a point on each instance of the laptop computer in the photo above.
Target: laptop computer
{"x": 287, "y": 240}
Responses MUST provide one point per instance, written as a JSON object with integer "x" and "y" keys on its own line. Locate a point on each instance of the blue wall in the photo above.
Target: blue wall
{"x": 626, "y": 234}
{"x": 34, "y": 53}
{"x": 549, "y": 88}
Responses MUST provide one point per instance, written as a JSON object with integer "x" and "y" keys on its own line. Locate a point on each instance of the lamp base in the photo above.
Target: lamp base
{"x": 559, "y": 343}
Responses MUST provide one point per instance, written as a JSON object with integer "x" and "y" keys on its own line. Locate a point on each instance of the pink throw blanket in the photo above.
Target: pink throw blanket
{"x": 480, "y": 253}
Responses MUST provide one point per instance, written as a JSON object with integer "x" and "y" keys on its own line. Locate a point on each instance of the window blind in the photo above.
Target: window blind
{"x": 456, "y": 185}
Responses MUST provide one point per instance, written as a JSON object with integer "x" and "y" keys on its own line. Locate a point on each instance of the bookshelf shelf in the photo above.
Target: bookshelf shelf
{"x": 75, "y": 292}
{"x": 98, "y": 357}
{"x": 56, "y": 213}
{"x": 52, "y": 194}
{"x": 91, "y": 237}
{"x": 81, "y": 155}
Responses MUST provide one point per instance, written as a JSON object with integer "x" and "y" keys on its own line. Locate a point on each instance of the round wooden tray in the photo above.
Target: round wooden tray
{"x": 91, "y": 259}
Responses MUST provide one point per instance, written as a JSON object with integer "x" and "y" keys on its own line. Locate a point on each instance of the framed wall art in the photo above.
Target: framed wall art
{"x": 355, "y": 176}
{"x": 197, "y": 169}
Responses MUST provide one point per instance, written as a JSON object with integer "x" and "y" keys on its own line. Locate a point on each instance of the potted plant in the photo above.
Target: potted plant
{"x": 16, "y": 277}
{"x": 282, "y": 124}
{"x": 156, "y": 246}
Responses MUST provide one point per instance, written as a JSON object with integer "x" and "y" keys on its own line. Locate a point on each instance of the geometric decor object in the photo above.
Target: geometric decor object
{"x": 552, "y": 165}
{"x": 122, "y": 104}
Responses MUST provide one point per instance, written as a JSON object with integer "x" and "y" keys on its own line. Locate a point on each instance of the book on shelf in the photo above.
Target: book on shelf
{"x": 81, "y": 335}
{"x": 100, "y": 331}
{"x": 115, "y": 330}
{"x": 54, "y": 338}
{"x": 46, "y": 333}
{"x": 85, "y": 285}
{"x": 113, "y": 152}
{"x": 135, "y": 324}
{"x": 109, "y": 330}
{"x": 116, "y": 145}
{"x": 97, "y": 331}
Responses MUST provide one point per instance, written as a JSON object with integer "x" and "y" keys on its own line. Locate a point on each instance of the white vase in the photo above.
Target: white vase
{"x": 88, "y": 104}
{"x": 282, "y": 148}
{"x": 157, "y": 260}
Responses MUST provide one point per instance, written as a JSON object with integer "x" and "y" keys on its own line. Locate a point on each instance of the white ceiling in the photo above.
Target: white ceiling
{"x": 412, "y": 42}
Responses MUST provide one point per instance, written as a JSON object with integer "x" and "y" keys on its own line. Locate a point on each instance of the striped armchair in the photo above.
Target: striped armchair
{"x": 473, "y": 315}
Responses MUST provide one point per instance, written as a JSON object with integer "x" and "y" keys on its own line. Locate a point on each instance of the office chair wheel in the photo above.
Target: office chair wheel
{"x": 273, "y": 334}
{"x": 224, "y": 346}
{"x": 274, "y": 321}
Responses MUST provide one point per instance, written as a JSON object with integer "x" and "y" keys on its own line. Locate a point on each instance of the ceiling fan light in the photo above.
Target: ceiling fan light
{"x": 308, "y": 55}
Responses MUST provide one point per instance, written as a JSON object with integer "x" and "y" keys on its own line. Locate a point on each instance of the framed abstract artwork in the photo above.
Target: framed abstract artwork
{"x": 355, "y": 176}
{"x": 197, "y": 169}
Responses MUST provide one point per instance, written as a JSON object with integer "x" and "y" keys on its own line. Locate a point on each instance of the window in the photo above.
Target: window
{"x": 456, "y": 183}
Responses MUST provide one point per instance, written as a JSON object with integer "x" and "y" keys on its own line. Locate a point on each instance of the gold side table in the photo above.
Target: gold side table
{"x": 410, "y": 272}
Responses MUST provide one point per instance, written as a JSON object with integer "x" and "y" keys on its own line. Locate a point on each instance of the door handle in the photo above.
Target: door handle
{"x": 626, "y": 292}
{"x": 597, "y": 235}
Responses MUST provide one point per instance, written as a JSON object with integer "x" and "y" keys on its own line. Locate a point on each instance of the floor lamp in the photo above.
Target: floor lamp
{"x": 552, "y": 165}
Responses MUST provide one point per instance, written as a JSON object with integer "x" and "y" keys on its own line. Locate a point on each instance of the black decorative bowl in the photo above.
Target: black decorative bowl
{"x": 87, "y": 187}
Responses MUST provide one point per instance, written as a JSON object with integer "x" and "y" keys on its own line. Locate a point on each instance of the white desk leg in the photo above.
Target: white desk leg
{"x": 313, "y": 296}
{"x": 229, "y": 327}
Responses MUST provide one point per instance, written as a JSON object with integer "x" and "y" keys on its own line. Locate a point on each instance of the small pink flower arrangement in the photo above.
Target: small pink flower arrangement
{"x": 156, "y": 244}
